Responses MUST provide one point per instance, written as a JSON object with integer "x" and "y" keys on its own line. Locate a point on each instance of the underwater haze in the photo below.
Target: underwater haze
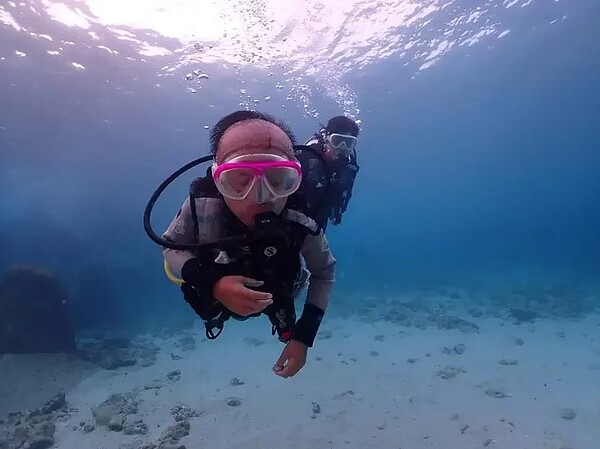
{"x": 478, "y": 198}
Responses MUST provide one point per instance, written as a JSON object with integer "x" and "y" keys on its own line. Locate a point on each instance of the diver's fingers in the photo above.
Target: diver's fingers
{"x": 250, "y": 282}
{"x": 248, "y": 293}
{"x": 262, "y": 304}
{"x": 248, "y": 307}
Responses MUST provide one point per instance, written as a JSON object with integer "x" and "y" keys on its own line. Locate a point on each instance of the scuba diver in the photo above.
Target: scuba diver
{"x": 329, "y": 168}
{"x": 239, "y": 248}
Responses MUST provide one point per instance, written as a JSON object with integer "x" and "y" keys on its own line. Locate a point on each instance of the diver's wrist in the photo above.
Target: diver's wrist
{"x": 306, "y": 328}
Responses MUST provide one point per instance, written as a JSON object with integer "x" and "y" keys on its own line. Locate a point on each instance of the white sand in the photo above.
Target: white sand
{"x": 393, "y": 403}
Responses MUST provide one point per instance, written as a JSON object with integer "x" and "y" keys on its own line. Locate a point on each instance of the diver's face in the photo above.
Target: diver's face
{"x": 253, "y": 137}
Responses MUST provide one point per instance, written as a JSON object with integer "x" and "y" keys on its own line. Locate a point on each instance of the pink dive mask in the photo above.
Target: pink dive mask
{"x": 268, "y": 175}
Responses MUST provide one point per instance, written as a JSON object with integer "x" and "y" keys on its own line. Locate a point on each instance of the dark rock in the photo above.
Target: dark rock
{"x": 475, "y": 313}
{"x": 112, "y": 412}
{"x": 154, "y": 385}
{"x": 109, "y": 354}
{"x": 234, "y": 402}
{"x": 187, "y": 343}
{"x": 56, "y": 403}
{"x": 174, "y": 375}
{"x": 235, "y": 382}
{"x": 459, "y": 349}
{"x": 134, "y": 425}
{"x": 147, "y": 353}
{"x": 115, "y": 343}
{"x": 181, "y": 412}
{"x": 46, "y": 429}
{"x": 449, "y": 372}
{"x": 521, "y": 315}
{"x": 116, "y": 423}
{"x": 176, "y": 432}
{"x": 41, "y": 443}
{"x": 88, "y": 428}
{"x": 568, "y": 414}
{"x": 497, "y": 393}
{"x": 34, "y": 313}
{"x": 454, "y": 322}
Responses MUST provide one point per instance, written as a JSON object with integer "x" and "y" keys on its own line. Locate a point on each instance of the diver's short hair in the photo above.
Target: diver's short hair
{"x": 240, "y": 116}
{"x": 342, "y": 125}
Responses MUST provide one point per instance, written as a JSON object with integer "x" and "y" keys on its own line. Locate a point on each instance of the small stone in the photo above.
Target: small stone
{"x": 234, "y": 402}
{"x": 174, "y": 375}
{"x": 411, "y": 360}
{"x": 449, "y": 372}
{"x": 316, "y": 408}
{"x": 88, "y": 428}
{"x": 445, "y": 350}
{"x": 155, "y": 384}
{"x": 568, "y": 414}
{"x": 176, "y": 357}
{"x": 459, "y": 349}
{"x": 373, "y": 353}
{"x": 235, "y": 382}
{"x": 497, "y": 393}
{"x": 379, "y": 337}
{"x": 508, "y": 362}
{"x": 181, "y": 412}
{"x": 519, "y": 341}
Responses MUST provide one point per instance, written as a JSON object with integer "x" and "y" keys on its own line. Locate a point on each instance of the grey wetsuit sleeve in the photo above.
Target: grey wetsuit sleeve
{"x": 321, "y": 266}
{"x": 181, "y": 230}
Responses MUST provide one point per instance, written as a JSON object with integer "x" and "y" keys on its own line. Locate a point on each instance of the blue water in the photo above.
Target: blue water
{"x": 479, "y": 176}
{"x": 478, "y": 173}
{"x": 481, "y": 169}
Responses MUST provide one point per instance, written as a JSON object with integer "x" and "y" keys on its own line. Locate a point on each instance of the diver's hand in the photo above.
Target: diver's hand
{"x": 292, "y": 359}
{"x": 231, "y": 291}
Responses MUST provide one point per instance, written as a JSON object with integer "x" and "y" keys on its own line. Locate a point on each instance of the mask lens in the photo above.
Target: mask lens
{"x": 236, "y": 182}
{"x": 342, "y": 141}
{"x": 282, "y": 181}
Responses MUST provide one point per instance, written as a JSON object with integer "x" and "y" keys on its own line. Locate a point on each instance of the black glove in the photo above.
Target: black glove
{"x": 199, "y": 281}
{"x": 306, "y": 328}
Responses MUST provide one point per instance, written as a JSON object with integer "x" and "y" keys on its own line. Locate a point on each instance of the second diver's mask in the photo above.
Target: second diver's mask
{"x": 269, "y": 176}
{"x": 341, "y": 145}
